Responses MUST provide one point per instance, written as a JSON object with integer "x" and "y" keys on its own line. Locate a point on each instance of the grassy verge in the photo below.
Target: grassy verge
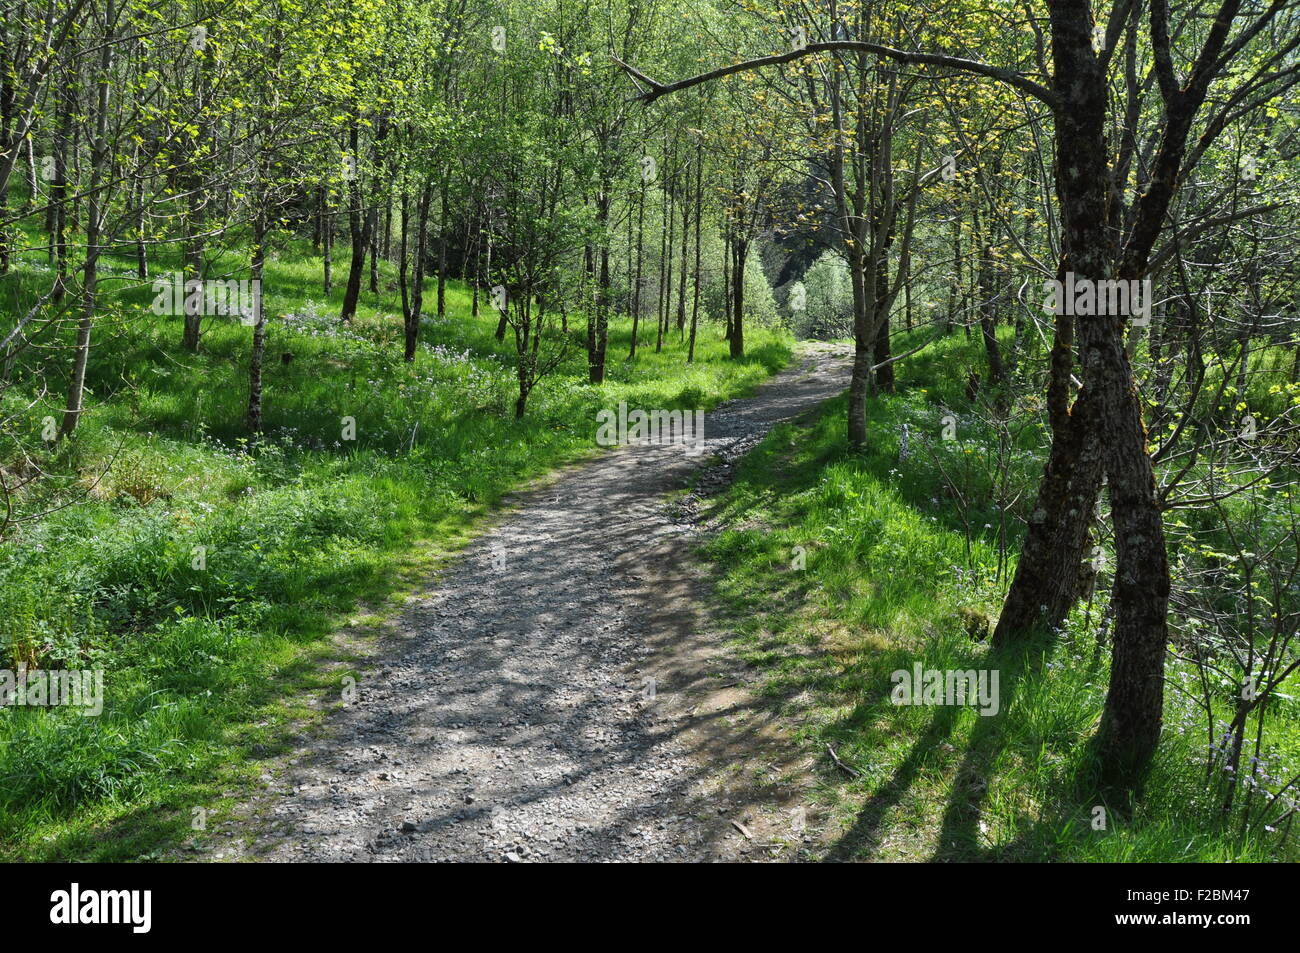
{"x": 842, "y": 569}
{"x": 203, "y": 571}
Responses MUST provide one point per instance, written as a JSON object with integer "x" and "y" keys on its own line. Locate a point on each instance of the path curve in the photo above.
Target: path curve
{"x": 510, "y": 717}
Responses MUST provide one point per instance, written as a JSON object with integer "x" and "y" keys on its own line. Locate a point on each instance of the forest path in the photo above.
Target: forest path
{"x": 508, "y": 715}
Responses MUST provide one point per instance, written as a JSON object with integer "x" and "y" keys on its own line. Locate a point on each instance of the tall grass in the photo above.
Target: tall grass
{"x": 842, "y": 568}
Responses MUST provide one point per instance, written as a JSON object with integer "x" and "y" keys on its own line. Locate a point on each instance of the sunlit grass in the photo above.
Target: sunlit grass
{"x": 206, "y": 668}
{"x": 842, "y": 568}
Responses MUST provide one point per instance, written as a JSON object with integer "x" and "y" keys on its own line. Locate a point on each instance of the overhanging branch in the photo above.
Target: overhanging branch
{"x": 652, "y": 90}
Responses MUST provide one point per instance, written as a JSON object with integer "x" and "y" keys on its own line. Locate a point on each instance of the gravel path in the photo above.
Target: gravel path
{"x": 543, "y": 700}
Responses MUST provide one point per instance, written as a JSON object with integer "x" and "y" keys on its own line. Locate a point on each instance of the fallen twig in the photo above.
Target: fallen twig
{"x": 851, "y": 772}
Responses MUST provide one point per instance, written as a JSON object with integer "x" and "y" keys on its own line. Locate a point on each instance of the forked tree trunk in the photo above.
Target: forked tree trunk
{"x": 1131, "y": 722}
{"x": 1046, "y": 583}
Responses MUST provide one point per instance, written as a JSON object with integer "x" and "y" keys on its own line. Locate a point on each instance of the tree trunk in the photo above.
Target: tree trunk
{"x": 598, "y": 327}
{"x": 478, "y": 265}
{"x": 327, "y": 240}
{"x": 860, "y": 376}
{"x": 667, "y": 234}
{"x": 681, "y": 283}
{"x": 359, "y": 230}
{"x": 699, "y": 207}
{"x": 740, "y": 250}
{"x": 141, "y": 249}
{"x": 636, "y": 286}
{"x": 1131, "y": 721}
{"x": 258, "y": 354}
{"x": 403, "y": 263}
{"x": 97, "y": 204}
{"x": 57, "y": 217}
{"x": 412, "y": 316}
{"x": 193, "y": 267}
{"x": 1046, "y": 583}
{"x": 373, "y": 227}
{"x": 726, "y": 282}
{"x": 988, "y": 325}
{"x": 192, "y": 257}
{"x": 442, "y": 253}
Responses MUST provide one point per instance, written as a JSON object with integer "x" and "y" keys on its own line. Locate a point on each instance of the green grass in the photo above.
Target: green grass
{"x": 209, "y": 670}
{"x": 841, "y": 568}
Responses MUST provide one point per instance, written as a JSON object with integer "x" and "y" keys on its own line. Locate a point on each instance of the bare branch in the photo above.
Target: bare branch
{"x": 1018, "y": 80}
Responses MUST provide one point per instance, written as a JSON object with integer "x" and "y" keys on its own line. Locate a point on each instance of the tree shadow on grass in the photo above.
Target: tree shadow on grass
{"x": 960, "y": 836}
{"x": 865, "y": 834}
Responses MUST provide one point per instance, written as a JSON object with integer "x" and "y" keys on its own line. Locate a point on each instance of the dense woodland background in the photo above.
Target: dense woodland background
{"x": 474, "y": 224}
